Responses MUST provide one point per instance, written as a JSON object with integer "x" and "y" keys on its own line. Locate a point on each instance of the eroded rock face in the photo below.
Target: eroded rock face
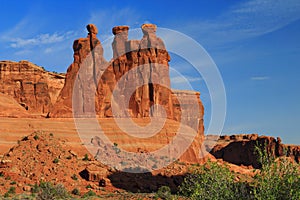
{"x": 30, "y": 85}
{"x": 135, "y": 83}
{"x": 143, "y": 67}
{"x": 188, "y": 109}
{"x": 87, "y": 51}
{"x": 138, "y": 74}
{"x": 240, "y": 149}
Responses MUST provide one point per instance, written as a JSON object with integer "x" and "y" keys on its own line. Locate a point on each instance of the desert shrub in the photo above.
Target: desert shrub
{"x": 74, "y": 177}
{"x": 56, "y": 160}
{"x": 48, "y": 191}
{"x": 6, "y": 195}
{"x": 210, "y": 181}
{"x": 86, "y": 157}
{"x": 13, "y": 182}
{"x": 75, "y": 191}
{"x": 36, "y": 137}
{"x": 278, "y": 179}
{"x": 213, "y": 181}
{"x": 35, "y": 188}
{"x": 164, "y": 192}
{"x": 90, "y": 193}
{"x": 11, "y": 190}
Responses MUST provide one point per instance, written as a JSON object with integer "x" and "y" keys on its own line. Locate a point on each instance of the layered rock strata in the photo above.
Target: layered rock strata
{"x": 135, "y": 83}
{"x": 30, "y": 85}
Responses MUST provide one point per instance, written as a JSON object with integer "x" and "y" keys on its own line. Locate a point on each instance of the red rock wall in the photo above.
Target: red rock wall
{"x": 139, "y": 73}
{"x": 240, "y": 149}
{"x": 31, "y": 86}
{"x": 82, "y": 50}
{"x": 148, "y": 83}
{"x": 146, "y": 86}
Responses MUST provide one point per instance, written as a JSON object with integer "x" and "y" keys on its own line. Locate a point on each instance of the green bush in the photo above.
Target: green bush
{"x": 36, "y": 137}
{"x": 212, "y": 181}
{"x": 86, "y": 157}
{"x": 88, "y": 186}
{"x": 74, "y": 177}
{"x": 13, "y": 182}
{"x": 90, "y": 193}
{"x": 164, "y": 192}
{"x": 56, "y": 160}
{"x": 278, "y": 179}
{"x": 48, "y": 191}
{"x": 12, "y": 190}
{"x": 35, "y": 188}
{"x": 75, "y": 191}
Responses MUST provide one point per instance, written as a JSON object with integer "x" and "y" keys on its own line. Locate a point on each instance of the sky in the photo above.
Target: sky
{"x": 255, "y": 45}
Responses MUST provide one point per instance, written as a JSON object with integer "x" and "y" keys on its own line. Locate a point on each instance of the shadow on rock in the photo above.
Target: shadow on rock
{"x": 144, "y": 182}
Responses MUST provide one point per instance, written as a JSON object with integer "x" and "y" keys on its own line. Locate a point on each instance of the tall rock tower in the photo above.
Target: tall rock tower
{"x": 135, "y": 83}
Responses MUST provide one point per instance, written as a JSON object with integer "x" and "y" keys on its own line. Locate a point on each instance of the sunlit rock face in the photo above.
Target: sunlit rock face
{"x": 135, "y": 83}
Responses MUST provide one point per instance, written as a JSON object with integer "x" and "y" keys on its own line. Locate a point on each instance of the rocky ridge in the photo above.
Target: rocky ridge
{"x": 240, "y": 149}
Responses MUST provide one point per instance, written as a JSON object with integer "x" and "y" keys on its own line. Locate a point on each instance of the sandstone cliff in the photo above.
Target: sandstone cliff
{"x": 30, "y": 85}
{"x": 138, "y": 74}
{"x": 240, "y": 149}
{"x": 135, "y": 83}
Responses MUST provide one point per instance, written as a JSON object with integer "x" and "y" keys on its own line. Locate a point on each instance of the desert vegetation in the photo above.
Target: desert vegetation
{"x": 278, "y": 178}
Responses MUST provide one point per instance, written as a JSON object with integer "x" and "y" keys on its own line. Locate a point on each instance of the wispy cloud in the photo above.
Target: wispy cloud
{"x": 184, "y": 79}
{"x": 245, "y": 20}
{"x": 260, "y": 78}
{"x": 40, "y": 39}
{"x": 29, "y": 41}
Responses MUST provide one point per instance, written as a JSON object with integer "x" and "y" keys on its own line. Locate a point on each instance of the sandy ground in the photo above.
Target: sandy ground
{"x": 13, "y": 129}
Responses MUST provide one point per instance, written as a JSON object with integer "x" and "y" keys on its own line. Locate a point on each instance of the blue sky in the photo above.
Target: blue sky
{"x": 254, "y": 43}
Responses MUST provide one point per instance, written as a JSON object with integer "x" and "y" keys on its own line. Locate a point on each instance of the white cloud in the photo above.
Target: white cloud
{"x": 184, "y": 79}
{"x": 260, "y": 78}
{"x": 40, "y": 39}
